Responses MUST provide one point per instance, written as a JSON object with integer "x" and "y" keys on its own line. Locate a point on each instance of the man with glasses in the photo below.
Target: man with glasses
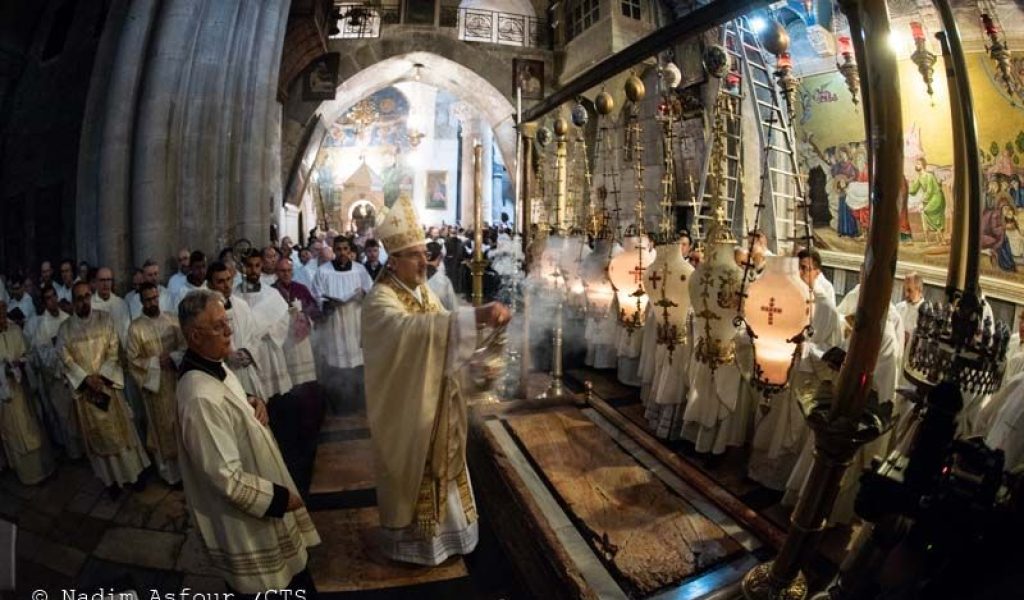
{"x": 243, "y": 502}
{"x": 106, "y": 300}
{"x": 155, "y": 347}
{"x": 416, "y": 412}
{"x": 89, "y": 352}
{"x": 339, "y": 288}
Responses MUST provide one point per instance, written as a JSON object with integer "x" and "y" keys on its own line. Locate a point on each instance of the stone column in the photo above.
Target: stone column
{"x": 189, "y": 150}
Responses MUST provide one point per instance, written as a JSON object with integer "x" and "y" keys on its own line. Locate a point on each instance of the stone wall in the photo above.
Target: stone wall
{"x": 48, "y": 52}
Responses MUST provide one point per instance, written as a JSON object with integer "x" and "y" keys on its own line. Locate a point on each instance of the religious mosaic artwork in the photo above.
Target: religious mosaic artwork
{"x": 835, "y": 159}
{"x": 437, "y": 190}
{"x": 379, "y": 120}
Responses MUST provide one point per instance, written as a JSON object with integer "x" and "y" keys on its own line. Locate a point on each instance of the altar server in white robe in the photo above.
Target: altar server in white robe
{"x": 150, "y": 274}
{"x": 196, "y": 279}
{"x": 21, "y": 302}
{"x": 1015, "y": 352}
{"x": 779, "y": 435}
{"x": 885, "y": 376}
{"x": 306, "y": 395}
{"x": 438, "y": 281}
{"x": 59, "y": 415}
{"x": 648, "y": 350}
{"x": 415, "y": 408}
{"x": 89, "y": 350}
{"x": 1005, "y": 427}
{"x": 339, "y": 288}
{"x": 24, "y": 441}
{"x": 243, "y": 330}
{"x": 268, "y": 273}
{"x": 270, "y": 314}
{"x": 155, "y": 347}
{"x": 909, "y": 308}
{"x": 243, "y": 501}
{"x": 177, "y": 280}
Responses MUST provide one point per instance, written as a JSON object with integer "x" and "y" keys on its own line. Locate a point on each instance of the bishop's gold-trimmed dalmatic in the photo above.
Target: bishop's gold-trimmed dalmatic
{"x": 149, "y": 340}
{"x": 89, "y": 346}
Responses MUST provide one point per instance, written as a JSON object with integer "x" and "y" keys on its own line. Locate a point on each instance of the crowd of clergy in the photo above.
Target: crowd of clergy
{"x": 715, "y": 408}
{"x": 89, "y": 373}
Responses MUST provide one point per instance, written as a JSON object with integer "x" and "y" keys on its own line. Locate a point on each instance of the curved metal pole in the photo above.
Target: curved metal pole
{"x": 967, "y": 175}
{"x": 838, "y": 428}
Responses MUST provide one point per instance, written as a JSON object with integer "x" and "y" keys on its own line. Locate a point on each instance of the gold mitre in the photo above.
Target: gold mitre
{"x": 399, "y": 228}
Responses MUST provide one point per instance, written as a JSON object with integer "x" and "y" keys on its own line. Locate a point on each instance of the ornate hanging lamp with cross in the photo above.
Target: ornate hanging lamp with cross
{"x": 715, "y": 284}
{"x": 626, "y": 271}
{"x": 669, "y": 275}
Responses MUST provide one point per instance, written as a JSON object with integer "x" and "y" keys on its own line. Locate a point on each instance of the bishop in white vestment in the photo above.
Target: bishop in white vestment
{"x": 415, "y": 408}
{"x": 155, "y": 347}
{"x": 243, "y": 501}
{"x": 89, "y": 350}
{"x": 24, "y": 442}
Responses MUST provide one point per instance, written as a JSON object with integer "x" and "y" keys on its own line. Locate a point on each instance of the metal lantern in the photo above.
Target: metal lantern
{"x": 777, "y": 311}
{"x": 714, "y": 291}
{"x": 599, "y": 289}
{"x": 668, "y": 280}
{"x": 626, "y": 272}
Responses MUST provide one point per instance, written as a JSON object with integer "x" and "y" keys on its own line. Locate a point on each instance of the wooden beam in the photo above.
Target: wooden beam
{"x": 683, "y": 28}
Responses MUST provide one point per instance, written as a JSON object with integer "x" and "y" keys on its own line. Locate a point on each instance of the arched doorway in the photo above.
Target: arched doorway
{"x": 363, "y": 216}
{"x": 414, "y": 119}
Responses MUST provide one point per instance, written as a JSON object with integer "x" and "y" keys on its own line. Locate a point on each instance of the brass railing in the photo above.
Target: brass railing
{"x": 359, "y": 21}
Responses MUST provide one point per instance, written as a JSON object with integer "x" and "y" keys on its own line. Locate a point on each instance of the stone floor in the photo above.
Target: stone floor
{"x": 71, "y": 535}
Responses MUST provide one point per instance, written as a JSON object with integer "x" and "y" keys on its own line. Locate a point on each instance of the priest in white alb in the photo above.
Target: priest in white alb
{"x": 106, "y": 300}
{"x": 272, "y": 321}
{"x": 57, "y": 404}
{"x": 339, "y": 288}
{"x": 150, "y": 274}
{"x": 244, "y": 328}
{"x": 89, "y": 351}
{"x": 415, "y": 408}
{"x": 24, "y": 441}
{"x": 248, "y": 512}
{"x": 306, "y": 396}
{"x": 155, "y": 347}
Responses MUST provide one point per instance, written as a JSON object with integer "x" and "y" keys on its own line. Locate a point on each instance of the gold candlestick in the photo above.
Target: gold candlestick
{"x": 478, "y": 264}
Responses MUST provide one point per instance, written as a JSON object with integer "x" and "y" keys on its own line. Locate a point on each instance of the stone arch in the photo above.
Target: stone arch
{"x": 478, "y": 75}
